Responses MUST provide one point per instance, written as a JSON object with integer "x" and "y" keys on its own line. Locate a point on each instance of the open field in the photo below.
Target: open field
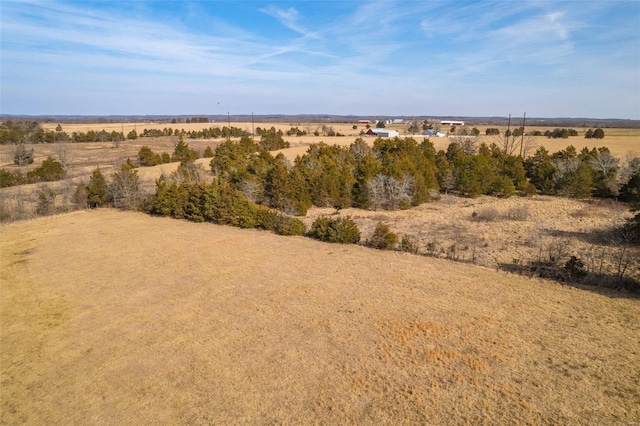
{"x": 619, "y": 141}
{"x": 497, "y": 232}
{"x": 111, "y": 318}
{"x": 583, "y": 228}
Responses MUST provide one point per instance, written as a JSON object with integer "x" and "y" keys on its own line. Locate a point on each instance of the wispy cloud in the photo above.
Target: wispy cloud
{"x": 290, "y": 18}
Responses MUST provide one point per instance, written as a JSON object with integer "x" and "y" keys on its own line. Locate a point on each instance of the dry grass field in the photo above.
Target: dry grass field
{"x": 619, "y": 141}
{"x": 109, "y": 317}
{"x": 492, "y": 232}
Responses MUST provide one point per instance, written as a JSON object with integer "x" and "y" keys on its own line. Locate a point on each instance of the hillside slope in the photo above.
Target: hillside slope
{"x": 120, "y": 318}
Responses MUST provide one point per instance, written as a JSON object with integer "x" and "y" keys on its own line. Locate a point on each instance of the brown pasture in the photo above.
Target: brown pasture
{"x": 619, "y": 141}
{"x": 111, "y": 317}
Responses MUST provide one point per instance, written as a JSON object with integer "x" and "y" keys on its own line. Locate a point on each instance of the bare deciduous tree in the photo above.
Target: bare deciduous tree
{"x": 468, "y": 143}
{"x": 399, "y": 191}
{"x": 376, "y": 191}
{"x": 630, "y": 166}
{"x": 515, "y": 145}
{"x": 22, "y": 156}
{"x": 604, "y": 162}
{"x": 390, "y": 193}
{"x": 125, "y": 189}
{"x": 252, "y": 190}
{"x": 188, "y": 172}
{"x": 64, "y": 154}
{"x": 564, "y": 167}
{"x": 623, "y": 254}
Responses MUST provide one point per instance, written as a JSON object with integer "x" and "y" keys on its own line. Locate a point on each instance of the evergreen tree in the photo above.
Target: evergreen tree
{"x": 598, "y": 133}
{"x": 540, "y": 171}
{"x": 48, "y": 171}
{"x": 183, "y": 153}
{"x": 97, "y": 191}
{"x": 271, "y": 140}
{"x": 146, "y": 157}
{"x": 382, "y": 238}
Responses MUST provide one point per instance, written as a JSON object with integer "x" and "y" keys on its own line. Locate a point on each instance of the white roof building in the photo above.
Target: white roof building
{"x": 385, "y": 133}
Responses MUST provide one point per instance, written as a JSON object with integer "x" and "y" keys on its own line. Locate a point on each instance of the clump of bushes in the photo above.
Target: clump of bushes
{"x": 22, "y": 155}
{"x": 383, "y": 238}
{"x": 409, "y": 244}
{"x": 11, "y": 179}
{"x": 285, "y": 225}
{"x": 488, "y": 214}
{"x": 272, "y": 140}
{"x": 148, "y": 158}
{"x": 46, "y": 201}
{"x": 517, "y": 213}
{"x": 49, "y": 171}
{"x": 491, "y": 214}
{"x": 339, "y": 230}
{"x": 217, "y": 203}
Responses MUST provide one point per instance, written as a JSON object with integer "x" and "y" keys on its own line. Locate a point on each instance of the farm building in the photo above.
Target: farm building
{"x": 434, "y": 133}
{"x": 364, "y": 121}
{"x": 383, "y": 133}
{"x": 452, "y": 123}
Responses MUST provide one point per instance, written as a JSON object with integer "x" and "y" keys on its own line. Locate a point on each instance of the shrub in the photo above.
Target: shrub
{"x": 503, "y": 187}
{"x": 11, "y": 179}
{"x": 575, "y": 268}
{"x": 272, "y": 140}
{"x": 146, "y": 157}
{"x": 488, "y": 214}
{"x": 339, "y": 230}
{"x": 530, "y": 189}
{"x": 183, "y": 153}
{"x": 46, "y": 201}
{"x": 409, "y": 244}
{"x": 48, "y": 171}
{"x": 208, "y": 152}
{"x": 383, "y": 238}
{"x": 81, "y": 197}
{"x": 22, "y": 155}
{"x": 518, "y": 213}
{"x": 285, "y": 225}
{"x": 266, "y": 218}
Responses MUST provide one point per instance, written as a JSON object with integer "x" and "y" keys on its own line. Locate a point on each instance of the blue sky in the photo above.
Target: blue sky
{"x": 457, "y": 58}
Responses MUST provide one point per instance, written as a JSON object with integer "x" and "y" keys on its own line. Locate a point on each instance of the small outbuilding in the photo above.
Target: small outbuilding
{"x": 431, "y": 132}
{"x": 383, "y": 133}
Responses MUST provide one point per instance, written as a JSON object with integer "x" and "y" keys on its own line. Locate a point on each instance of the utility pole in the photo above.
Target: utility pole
{"x": 524, "y": 120}
{"x": 252, "y": 126}
{"x": 507, "y": 146}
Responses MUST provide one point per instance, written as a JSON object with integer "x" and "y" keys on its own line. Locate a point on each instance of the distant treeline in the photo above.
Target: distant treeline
{"x": 31, "y": 132}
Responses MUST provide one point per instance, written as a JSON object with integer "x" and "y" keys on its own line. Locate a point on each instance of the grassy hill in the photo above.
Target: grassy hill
{"x": 120, "y": 318}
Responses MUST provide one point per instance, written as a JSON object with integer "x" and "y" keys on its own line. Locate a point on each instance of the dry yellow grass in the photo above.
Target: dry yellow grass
{"x": 121, "y": 318}
{"x": 521, "y": 229}
{"x": 619, "y": 141}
